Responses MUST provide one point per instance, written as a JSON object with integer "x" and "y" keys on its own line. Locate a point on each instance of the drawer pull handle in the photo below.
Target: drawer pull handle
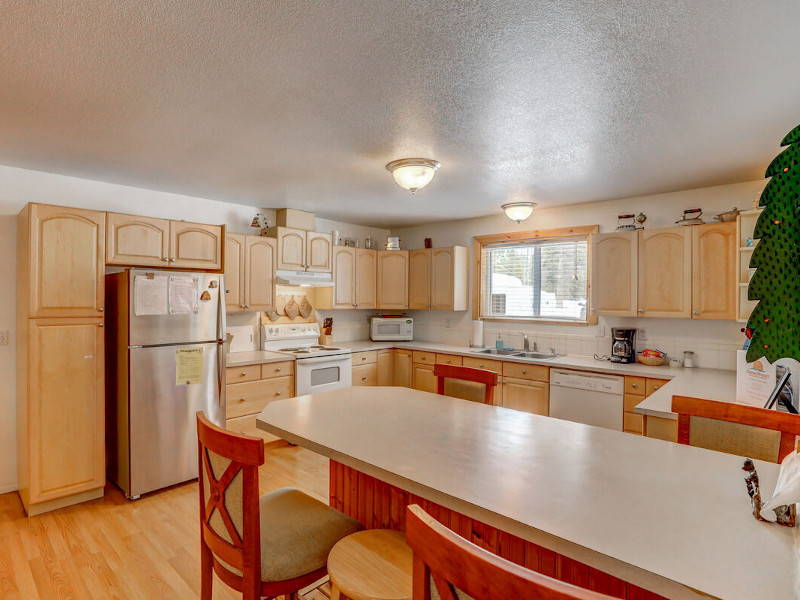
{"x": 363, "y": 358}
{"x": 524, "y": 371}
{"x": 363, "y": 379}
{"x": 278, "y": 370}
{"x": 480, "y": 365}
{"x": 242, "y": 399}
{"x": 447, "y": 361}
{"x": 634, "y": 385}
{"x": 655, "y": 387}
{"x": 243, "y": 374}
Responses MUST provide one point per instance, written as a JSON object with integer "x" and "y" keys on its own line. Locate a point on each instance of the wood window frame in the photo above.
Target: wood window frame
{"x": 478, "y": 242}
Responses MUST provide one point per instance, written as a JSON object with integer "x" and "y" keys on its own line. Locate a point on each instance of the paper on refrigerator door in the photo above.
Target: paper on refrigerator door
{"x": 149, "y": 295}
{"x": 183, "y": 296}
{"x": 188, "y": 366}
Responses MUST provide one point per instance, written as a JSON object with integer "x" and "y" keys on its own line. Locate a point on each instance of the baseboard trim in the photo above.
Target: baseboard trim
{"x": 10, "y": 487}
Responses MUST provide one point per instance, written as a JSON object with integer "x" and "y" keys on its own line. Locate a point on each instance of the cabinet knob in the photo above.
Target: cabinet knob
{"x": 171, "y": 260}
{"x": 243, "y": 374}
{"x": 363, "y": 379}
{"x": 480, "y": 365}
{"x": 278, "y": 393}
{"x": 655, "y": 387}
{"x": 447, "y": 361}
{"x": 524, "y": 371}
{"x": 278, "y": 370}
{"x": 363, "y": 358}
{"x": 101, "y": 325}
{"x": 101, "y": 309}
{"x": 165, "y": 259}
{"x": 696, "y": 313}
{"x": 641, "y": 310}
{"x": 242, "y": 399}
{"x": 633, "y": 385}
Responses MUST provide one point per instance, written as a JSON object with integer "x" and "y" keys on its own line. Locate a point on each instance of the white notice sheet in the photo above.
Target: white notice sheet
{"x": 149, "y": 295}
{"x": 183, "y": 297}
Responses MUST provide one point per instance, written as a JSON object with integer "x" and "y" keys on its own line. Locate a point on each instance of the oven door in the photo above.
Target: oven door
{"x": 323, "y": 373}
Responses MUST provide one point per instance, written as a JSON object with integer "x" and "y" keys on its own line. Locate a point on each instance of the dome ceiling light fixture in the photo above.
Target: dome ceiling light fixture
{"x": 413, "y": 174}
{"x": 518, "y": 211}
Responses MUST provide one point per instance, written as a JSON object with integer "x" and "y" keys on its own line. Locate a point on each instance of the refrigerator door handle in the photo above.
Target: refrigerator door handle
{"x": 221, "y": 354}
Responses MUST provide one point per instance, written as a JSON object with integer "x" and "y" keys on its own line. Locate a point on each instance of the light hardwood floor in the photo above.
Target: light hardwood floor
{"x": 112, "y": 548}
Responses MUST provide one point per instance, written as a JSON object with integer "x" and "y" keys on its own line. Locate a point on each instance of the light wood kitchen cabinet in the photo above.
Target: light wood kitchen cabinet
{"x": 146, "y": 242}
{"x": 61, "y": 262}
{"x": 438, "y": 278}
{"x": 449, "y": 359}
{"x": 385, "y": 363}
{"x": 660, "y": 428}
{"x": 300, "y": 250}
{"x": 195, "y": 246}
{"x": 234, "y": 272}
{"x": 402, "y": 368}
{"x": 136, "y": 241}
{"x": 249, "y": 272}
{"x": 60, "y": 413}
{"x": 250, "y": 388}
{"x": 366, "y": 278}
{"x": 665, "y": 272}
{"x": 354, "y": 273}
{"x": 636, "y": 390}
{"x": 526, "y": 395}
{"x": 714, "y": 283}
{"x": 291, "y": 248}
{"x": 318, "y": 251}
{"x": 366, "y": 374}
{"x": 614, "y": 273}
{"x": 392, "y": 286}
{"x": 422, "y": 378}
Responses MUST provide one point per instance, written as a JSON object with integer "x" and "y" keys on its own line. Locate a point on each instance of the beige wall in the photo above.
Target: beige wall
{"x": 715, "y": 342}
{"x": 20, "y": 186}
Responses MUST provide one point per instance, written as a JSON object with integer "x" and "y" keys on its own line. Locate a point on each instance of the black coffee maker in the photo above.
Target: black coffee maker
{"x": 623, "y": 347}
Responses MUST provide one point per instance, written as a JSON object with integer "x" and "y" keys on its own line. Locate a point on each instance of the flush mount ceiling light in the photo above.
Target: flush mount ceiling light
{"x": 518, "y": 211}
{"x": 413, "y": 173}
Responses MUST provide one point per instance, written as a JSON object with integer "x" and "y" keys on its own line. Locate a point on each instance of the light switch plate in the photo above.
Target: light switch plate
{"x": 641, "y": 334}
{"x": 3, "y": 337}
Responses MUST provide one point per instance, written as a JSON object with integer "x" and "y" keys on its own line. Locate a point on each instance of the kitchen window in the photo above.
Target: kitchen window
{"x": 535, "y": 276}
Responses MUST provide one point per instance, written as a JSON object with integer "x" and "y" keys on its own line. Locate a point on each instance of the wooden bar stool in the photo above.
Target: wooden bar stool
{"x": 371, "y": 565}
{"x": 476, "y": 385}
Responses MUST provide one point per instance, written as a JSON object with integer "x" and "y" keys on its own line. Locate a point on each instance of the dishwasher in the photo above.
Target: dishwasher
{"x": 589, "y": 398}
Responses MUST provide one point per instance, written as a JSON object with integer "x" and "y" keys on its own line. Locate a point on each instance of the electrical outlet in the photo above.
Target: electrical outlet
{"x": 3, "y": 337}
{"x": 641, "y": 334}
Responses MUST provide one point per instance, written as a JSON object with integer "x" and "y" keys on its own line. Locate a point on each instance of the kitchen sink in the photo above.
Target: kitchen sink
{"x": 537, "y": 355}
{"x": 499, "y": 352}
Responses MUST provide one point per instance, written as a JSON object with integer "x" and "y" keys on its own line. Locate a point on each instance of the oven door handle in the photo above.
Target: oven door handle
{"x": 336, "y": 358}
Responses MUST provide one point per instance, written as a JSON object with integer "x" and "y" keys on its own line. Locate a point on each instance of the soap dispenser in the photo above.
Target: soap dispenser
{"x": 499, "y": 343}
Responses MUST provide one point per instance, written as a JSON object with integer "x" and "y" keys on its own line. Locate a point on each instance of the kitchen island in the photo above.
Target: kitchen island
{"x": 610, "y": 511}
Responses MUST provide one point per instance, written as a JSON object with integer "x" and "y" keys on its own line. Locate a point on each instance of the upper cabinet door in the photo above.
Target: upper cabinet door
{"x": 665, "y": 272}
{"x": 366, "y": 282}
{"x": 234, "y": 271}
{"x": 344, "y": 274}
{"x": 450, "y": 278}
{"x": 136, "y": 241}
{"x": 291, "y": 249}
{"x": 393, "y": 279}
{"x": 419, "y": 279}
{"x": 66, "y": 261}
{"x": 259, "y": 279}
{"x": 615, "y": 273}
{"x": 195, "y": 246}
{"x": 318, "y": 251}
{"x": 714, "y": 284}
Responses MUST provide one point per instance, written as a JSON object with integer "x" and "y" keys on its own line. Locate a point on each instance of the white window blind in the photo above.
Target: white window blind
{"x": 535, "y": 279}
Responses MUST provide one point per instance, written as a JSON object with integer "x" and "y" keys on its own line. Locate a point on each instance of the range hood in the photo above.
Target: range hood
{"x": 304, "y": 278}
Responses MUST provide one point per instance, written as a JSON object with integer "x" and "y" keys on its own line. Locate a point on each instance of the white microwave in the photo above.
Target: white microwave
{"x": 391, "y": 329}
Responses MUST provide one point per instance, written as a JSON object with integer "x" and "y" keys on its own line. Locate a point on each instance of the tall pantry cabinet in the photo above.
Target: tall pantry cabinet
{"x": 60, "y": 350}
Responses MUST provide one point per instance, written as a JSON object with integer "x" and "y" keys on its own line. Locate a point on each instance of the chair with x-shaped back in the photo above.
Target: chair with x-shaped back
{"x": 271, "y": 545}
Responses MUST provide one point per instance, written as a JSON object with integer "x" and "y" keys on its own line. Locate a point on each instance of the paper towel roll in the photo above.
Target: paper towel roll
{"x": 477, "y": 334}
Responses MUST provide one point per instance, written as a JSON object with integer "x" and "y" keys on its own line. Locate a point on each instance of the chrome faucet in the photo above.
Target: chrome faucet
{"x": 526, "y": 344}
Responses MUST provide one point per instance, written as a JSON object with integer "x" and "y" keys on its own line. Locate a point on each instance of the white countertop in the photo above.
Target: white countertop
{"x": 256, "y": 357}
{"x": 660, "y": 515}
{"x": 709, "y": 384}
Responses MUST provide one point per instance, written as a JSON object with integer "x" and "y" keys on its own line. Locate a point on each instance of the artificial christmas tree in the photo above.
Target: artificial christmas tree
{"x": 775, "y": 322}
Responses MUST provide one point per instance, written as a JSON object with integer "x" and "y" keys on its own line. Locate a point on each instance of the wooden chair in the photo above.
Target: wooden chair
{"x": 739, "y": 429}
{"x": 271, "y": 545}
{"x": 477, "y": 385}
{"x": 458, "y": 568}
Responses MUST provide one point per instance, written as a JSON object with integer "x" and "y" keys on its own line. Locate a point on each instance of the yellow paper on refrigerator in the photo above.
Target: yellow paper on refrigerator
{"x": 188, "y": 366}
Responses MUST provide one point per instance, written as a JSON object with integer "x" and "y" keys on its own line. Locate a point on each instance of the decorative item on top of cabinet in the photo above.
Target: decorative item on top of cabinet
{"x": 714, "y": 286}
{"x": 249, "y": 272}
{"x": 614, "y": 273}
{"x": 438, "y": 278}
{"x": 665, "y": 274}
{"x": 146, "y": 242}
{"x": 392, "y": 284}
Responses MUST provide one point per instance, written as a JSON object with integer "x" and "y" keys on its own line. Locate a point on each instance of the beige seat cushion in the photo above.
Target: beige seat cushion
{"x": 297, "y": 533}
{"x": 466, "y": 390}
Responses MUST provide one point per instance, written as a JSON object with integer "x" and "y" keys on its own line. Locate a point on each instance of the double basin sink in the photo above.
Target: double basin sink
{"x": 520, "y": 354}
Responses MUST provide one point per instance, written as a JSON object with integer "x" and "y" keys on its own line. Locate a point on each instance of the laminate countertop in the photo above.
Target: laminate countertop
{"x": 670, "y": 518}
{"x": 256, "y": 357}
{"x": 709, "y": 384}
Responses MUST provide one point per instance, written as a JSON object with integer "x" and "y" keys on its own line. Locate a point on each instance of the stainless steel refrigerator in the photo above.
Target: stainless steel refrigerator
{"x": 165, "y": 345}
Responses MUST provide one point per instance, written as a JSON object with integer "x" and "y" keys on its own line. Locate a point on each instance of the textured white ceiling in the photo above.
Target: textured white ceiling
{"x": 301, "y": 104}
